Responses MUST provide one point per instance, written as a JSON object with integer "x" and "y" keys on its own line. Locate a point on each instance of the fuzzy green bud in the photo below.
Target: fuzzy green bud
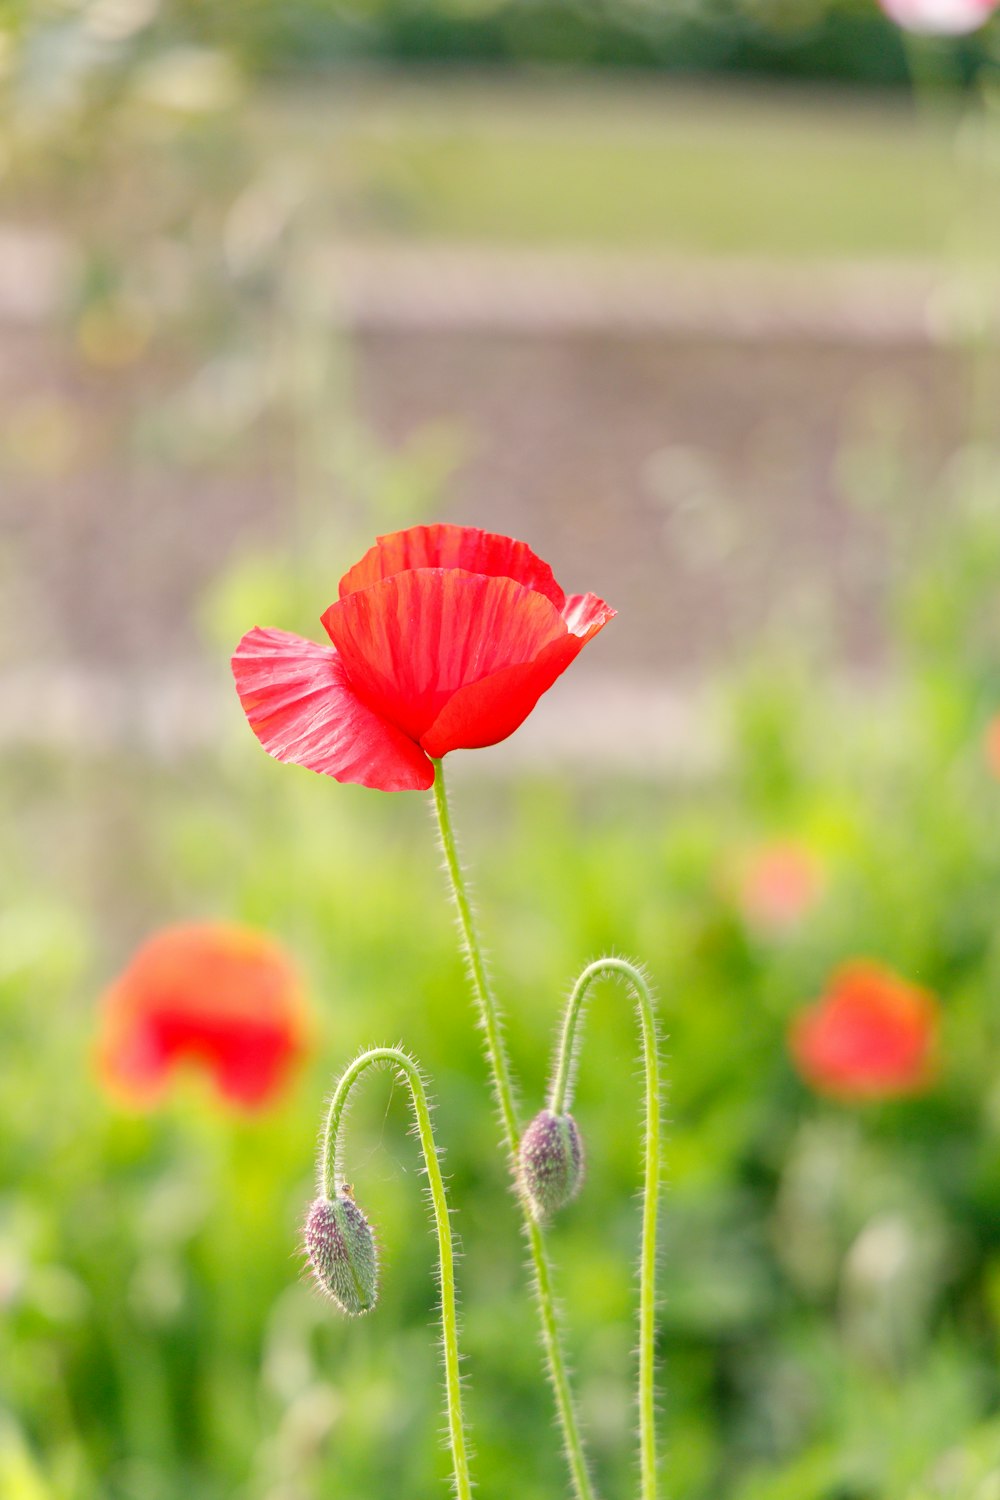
{"x": 341, "y": 1249}
{"x": 551, "y": 1159}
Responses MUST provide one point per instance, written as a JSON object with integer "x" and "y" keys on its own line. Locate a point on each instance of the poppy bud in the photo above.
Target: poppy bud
{"x": 551, "y": 1162}
{"x": 341, "y": 1249}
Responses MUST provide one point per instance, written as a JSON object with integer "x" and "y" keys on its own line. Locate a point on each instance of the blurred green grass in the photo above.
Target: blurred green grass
{"x": 649, "y": 168}
{"x": 643, "y": 167}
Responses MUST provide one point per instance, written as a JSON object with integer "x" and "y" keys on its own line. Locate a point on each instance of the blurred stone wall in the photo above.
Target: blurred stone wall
{"x": 710, "y": 448}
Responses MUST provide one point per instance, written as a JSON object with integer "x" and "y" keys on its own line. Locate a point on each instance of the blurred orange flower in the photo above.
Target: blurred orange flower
{"x": 991, "y": 745}
{"x": 220, "y": 997}
{"x": 780, "y": 882}
{"x": 870, "y": 1036}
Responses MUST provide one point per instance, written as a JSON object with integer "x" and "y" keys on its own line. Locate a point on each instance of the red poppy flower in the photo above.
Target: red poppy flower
{"x": 219, "y": 997}
{"x": 871, "y": 1036}
{"x": 780, "y": 883}
{"x": 444, "y": 638}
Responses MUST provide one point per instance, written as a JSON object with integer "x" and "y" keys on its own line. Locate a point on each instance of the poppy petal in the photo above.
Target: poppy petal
{"x": 302, "y": 708}
{"x": 131, "y": 1062}
{"x": 585, "y": 615}
{"x": 464, "y": 547}
{"x": 486, "y": 712}
{"x": 249, "y": 1069}
{"x": 215, "y": 997}
{"x": 412, "y": 641}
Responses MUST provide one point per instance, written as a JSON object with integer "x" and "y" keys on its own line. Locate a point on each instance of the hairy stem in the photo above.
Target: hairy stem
{"x": 560, "y": 1100}
{"x": 496, "y": 1054}
{"x": 331, "y": 1179}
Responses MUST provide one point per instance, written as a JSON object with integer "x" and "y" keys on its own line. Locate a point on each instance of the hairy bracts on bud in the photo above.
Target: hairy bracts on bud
{"x": 551, "y": 1157}
{"x": 341, "y": 1249}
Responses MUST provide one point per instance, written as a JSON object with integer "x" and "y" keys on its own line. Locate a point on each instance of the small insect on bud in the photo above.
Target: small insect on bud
{"x": 551, "y": 1162}
{"x": 342, "y": 1252}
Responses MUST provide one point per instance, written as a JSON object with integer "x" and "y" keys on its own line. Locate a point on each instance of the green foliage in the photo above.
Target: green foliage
{"x": 831, "y": 1276}
{"x": 840, "y": 39}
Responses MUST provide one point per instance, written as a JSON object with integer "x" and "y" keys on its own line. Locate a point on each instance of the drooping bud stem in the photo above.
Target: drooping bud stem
{"x": 341, "y": 1246}
{"x": 560, "y": 1100}
{"x": 551, "y": 1163}
{"x": 342, "y": 1253}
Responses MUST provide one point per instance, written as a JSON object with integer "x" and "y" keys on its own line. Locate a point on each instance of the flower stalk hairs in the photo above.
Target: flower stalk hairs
{"x": 552, "y": 1167}
{"x": 341, "y": 1246}
{"x": 444, "y": 638}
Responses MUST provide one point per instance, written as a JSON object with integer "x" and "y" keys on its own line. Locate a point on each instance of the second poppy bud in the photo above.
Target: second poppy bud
{"x": 551, "y": 1161}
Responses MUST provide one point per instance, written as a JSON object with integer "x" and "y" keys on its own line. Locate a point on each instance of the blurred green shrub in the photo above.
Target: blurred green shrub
{"x": 847, "y": 40}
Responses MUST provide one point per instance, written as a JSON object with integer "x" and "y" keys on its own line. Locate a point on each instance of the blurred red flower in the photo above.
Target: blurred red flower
{"x": 940, "y": 17}
{"x": 444, "y": 638}
{"x": 779, "y": 883}
{"x": 871, "y": 1035}
{"x": 220, "y": 997}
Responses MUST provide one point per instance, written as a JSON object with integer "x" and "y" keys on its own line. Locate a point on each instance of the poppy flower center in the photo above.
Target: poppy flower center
{"x": 411, "y": 641}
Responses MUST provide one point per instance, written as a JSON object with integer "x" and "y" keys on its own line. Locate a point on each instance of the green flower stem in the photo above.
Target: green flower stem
{"x": 331, "y": 1177}
{"x": 560, "y": 1100}
{"x": 496, "y": 1053}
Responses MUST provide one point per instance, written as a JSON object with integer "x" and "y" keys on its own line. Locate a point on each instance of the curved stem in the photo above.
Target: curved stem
{"x": 560, "y": 1100}
{"x": 331, "y": 1178}
{"x": 496, "y": 1054}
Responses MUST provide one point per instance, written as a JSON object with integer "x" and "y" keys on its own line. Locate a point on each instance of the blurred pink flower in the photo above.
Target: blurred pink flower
{"x": 940, "y": 17}
{"x": 780, "y": 882}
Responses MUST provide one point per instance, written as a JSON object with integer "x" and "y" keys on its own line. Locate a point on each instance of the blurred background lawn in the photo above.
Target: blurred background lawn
{"x": 701, "y": 303}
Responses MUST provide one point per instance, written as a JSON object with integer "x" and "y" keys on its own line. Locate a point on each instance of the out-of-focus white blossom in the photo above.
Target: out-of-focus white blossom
{"x": 940, "y": 17}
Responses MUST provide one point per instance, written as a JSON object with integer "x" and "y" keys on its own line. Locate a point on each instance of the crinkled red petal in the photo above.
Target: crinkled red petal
{"x": 486, "y": 712}
{"x": 303, "y": 709}
{"x": 464, "y": 547}
{"x": 412, "y": 641}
